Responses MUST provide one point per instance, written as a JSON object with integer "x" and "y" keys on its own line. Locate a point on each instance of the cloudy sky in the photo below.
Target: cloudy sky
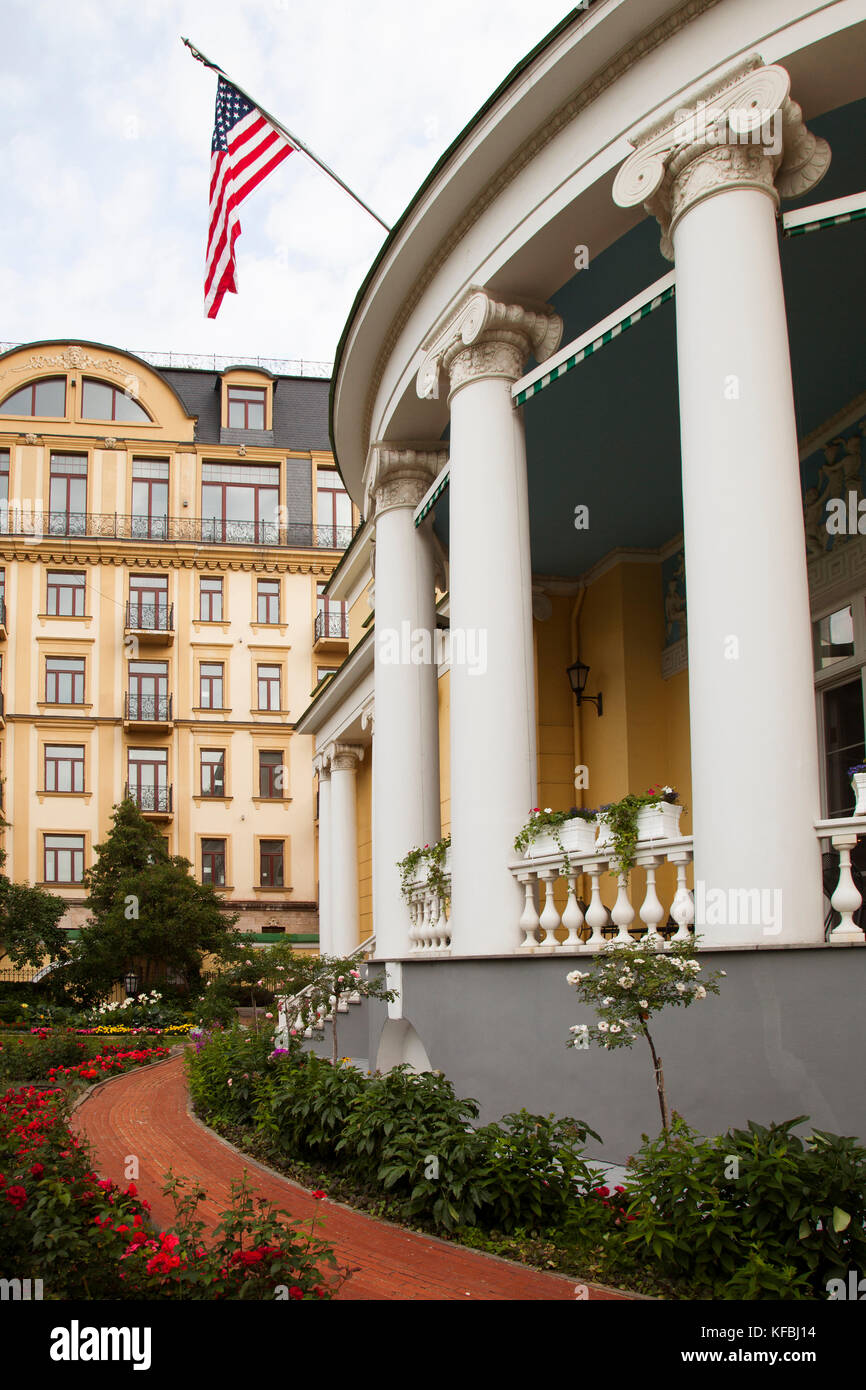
{"x": 107, "y": 122}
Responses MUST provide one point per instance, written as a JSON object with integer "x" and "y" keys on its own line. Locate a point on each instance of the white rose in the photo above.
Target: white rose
{"x": 615, "y": 1028}
{"x": 603, "y": 1027}
{"x": 700, "y": 992}
{"x": 680, "y": 987}
{"x": 644, "y": 1003}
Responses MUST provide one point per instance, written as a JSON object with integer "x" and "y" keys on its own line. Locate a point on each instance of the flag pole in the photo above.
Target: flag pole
{"x": 293, "y": 139}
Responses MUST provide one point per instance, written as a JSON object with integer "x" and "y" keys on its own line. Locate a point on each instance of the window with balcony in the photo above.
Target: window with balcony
{"x": 213, "y": 772}
{"x": 240, "y": 503}
{"x": 67, "y": 499}
{"x": 149, "y": 499}
{"x": 46, "y": 397}
{"x": 333, "y": 510}
{"x": 839, "y": 647}
{"x": 213, "y": 862}
{"x": 268, "y": 601}
{"x": 210, "y": 601}
{"x": 332, "y": 619}
{"x": 102, "y": 401}
{"x": 64, "y": 680}
{"x": 271, "y": 775}
{"x": 211, "y": 682}
{"x": 148, "y": 691}
{"x": 64, "y": 767}
{"x": 65, "y": 594}
{"x": 271, "y": 863}
{"x": 2, "y": 597}
{"x": 246, "y": 407}
{"x": 148, "y": 603}
{"x": 147, "y": 780}
{"x": 4, "y": 491}
{"x": 64, "y": 858}
{"x": 268, "y": 681}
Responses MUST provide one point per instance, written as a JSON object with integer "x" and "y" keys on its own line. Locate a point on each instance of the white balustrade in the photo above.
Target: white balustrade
{"x": 539, "y": 877}
{"x": 846, "y": 897}
{"x": 429, "y": 914}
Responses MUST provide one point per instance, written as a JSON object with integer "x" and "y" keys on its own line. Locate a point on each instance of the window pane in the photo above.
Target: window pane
{"x": 96, "y": 400}
{"x": 129, "y": 410}
{"x": 51, "y": 396}
{"x": 844, "y": 743}
{"x": 834, "y": 638}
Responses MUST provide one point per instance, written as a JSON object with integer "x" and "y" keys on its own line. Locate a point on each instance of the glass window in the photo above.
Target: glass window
{"x": 333, "y": 510}
{"x": 268, "y": 601}
{"x": 210, "y": 601}
{"x": 211, "y": 685}
{"x": 45, "y": 397}
{"x": 102, "y": 401}
{"x": 148, "y": 691}
{"x": 844, "y": 742}
{"x": 64, "y": 858}
{"x": 64, "y": 767}
{"x": 65, "y": 594}
{"x": 323, "y": 672}
{"x": 213, "y": 861}
{"x": 271, "y": 775}
{"x": 332, "y": 618}
{"x": 833, "y": 637}
{"x": 246, "y": 407}
{"x": 269, "y": 687}
{"x": 64, "y": 680}
{"x": 150, "y": 499}
{"x": 147, "y": 779}
{"x": 148, "y": 602}
{"x": 4, "y": 492}
{"x": 213, "y": 768}
{"x": 240, "y": 503}
{"x": 67, "y": 505}
{"x": 271, "y": 862}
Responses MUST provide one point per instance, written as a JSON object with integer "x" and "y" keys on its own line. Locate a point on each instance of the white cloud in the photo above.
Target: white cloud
{"x": 108, "y": 147}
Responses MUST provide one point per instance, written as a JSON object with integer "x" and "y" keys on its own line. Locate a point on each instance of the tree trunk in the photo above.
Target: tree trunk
{"x": 659, "y": 1080}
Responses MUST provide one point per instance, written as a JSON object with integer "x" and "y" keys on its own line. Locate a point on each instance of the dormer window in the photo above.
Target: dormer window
{"x": 102, "y": 401}
{"x": 246, "y": 407}
{"x": 46, "y": 397}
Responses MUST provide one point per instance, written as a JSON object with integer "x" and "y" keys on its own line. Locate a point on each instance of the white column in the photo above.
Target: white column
{"x": 484, "y": 346}
{"x": 406, "y": 766}
{"x": 344, "y": 848}
{"x": 752, "y": 703}
{"x": 323, "y": 768}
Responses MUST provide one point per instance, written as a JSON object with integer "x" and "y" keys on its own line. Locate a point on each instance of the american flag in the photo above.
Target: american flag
{"x": 244, "y": 150}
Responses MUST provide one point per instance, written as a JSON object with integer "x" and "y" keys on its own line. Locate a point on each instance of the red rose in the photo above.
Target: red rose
{"x": 319, "y": 1194}
{"x": 16, "y": 1196}
{"x": 295, "y": 1292}
{"x": 37, "y": 1170}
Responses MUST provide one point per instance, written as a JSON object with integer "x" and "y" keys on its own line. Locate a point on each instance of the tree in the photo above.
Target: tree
{"x": 149, "y": 913}
{"x": 329, "y": 979}
{"x": 29, "y": 918}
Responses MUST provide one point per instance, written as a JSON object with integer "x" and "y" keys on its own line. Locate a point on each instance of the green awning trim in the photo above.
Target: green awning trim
{"x": 433, "y": 499}
{"x": 856, "y": 216}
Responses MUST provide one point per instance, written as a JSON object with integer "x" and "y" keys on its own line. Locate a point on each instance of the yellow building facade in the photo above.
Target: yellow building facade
{"x": 165, "y": 538}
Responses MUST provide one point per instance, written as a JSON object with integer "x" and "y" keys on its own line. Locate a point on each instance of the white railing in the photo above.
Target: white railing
{"x": 293, "y": 1011}
{"x": 430, "y": 915}
{"x": 846, "y": 897}
{"x": 538, "y": 877}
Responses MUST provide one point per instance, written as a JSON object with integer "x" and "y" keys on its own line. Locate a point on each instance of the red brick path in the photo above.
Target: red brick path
{"x": 145, "y": 1113}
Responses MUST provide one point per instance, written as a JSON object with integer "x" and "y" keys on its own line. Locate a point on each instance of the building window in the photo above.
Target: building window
{"x": 65, "y": 594}
{"x": 64, "y": 680}
{"x": 271, "y": 863}
{"x": 240, "y": 503}
{"x": 148, "y": 603}
{"x": 46, "y": 397}
{"x": 246, "y": 407}
{"x": 271, "y": 775}
{"x": 269, "y": 687}
{"x": 213, "y": 861}
{"x": 333, "y": 510}
{"x": 102, "y": 401}
{"x": 213, "y": 772}
{"x": 268, "y": 609}
{"x": 2, "y": 596}
{"x": 148, "y": 691}
{"x": 64, "y": 767}
{"x": 211, "y": 685}
{"x": 150, "y": 499}
{"x": 67, "y": 501}
{"x": 64, "y": 858}
{"x": 5, "y": 526}
{"x": 147, "y": 778}
{"x": 331, "y": 617}
{"x": 210, "y": 601}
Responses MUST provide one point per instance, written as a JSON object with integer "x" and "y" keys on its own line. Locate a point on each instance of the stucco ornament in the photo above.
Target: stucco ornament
{"x": 403, "y": 472}
{"x": 31, "y": 439}
{"x": 743, "y": 131}
{"x": 484, "y": 336}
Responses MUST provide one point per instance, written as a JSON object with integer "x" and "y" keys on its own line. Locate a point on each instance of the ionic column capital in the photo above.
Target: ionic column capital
{"x": 743, "y": 131}
{"x": 368, "y": 717}
{"x": 345, "y": 757}
{"x": 322, "y": 765}
{"x": 482, "y": 337}
{"x": 403, "y": 472}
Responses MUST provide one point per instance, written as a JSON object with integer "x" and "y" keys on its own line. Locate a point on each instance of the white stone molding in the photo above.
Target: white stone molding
{"x": 484, "y": 337}
{"x": 345, "y": 757}
{"x": 838, "y": 571}
{"x": 741, "y": 131}
{"x": 322, "y": 764}
{"x": 402, "y": 474}
{"x": 368, "y": 717}
{"x": 675, "y": 659}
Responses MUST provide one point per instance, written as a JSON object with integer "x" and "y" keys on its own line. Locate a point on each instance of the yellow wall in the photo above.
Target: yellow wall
{"x": 445, "y": 752}
{"x": 363, "y": 791}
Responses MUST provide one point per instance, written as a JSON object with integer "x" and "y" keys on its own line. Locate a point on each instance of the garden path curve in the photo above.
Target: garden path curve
{"x": 145, "y": 1113}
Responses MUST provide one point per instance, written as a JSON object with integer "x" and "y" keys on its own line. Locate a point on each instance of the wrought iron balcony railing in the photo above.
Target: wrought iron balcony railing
{"x": 150, "y": 617}
{"x": 147, "y": 708}
{"x": 156, "y": 799}
{"x": 3, "y": 616}
{"x": 35, "y": 523}
{"x": 333, "y": 625}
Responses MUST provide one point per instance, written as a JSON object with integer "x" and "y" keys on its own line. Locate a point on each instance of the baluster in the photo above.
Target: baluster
{"x": 622, "y": 911}
{"x": 847, "y": 897}
{"x": 682, "y": 907}
{"x": 572, "y": 917}
{"x": 414, "y": 942}
{"x": 596, "y": 914}
{"x": 549, "y": 920}
{"x": 529, "y": 919}
{"x": 651, "y": 910}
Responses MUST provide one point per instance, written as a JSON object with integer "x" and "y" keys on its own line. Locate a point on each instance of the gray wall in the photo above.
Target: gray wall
{"x": 785, "y": 1037}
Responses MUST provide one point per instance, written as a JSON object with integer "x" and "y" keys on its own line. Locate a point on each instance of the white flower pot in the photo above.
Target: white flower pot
{"x": 660, "y": 821}
{"x": 576, "y": 836}
{"x": 858, "y": 782}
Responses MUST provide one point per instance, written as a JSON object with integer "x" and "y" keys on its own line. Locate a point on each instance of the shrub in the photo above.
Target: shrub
{"x": 304, "y": 1107}
{"x": 225, "y": 1072}
{"x": 534, "y": 1170}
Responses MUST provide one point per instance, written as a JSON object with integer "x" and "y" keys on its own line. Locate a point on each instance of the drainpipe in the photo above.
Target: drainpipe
{"x": 575, "y": 714}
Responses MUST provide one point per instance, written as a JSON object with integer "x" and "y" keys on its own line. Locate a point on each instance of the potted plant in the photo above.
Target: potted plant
{"x": 652, "y": 815}
{"x": 858, "y": 782}
{"x": 426, "y": 867}
{"x": 557, "y": 832}
{"x": 659, "y": 817}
